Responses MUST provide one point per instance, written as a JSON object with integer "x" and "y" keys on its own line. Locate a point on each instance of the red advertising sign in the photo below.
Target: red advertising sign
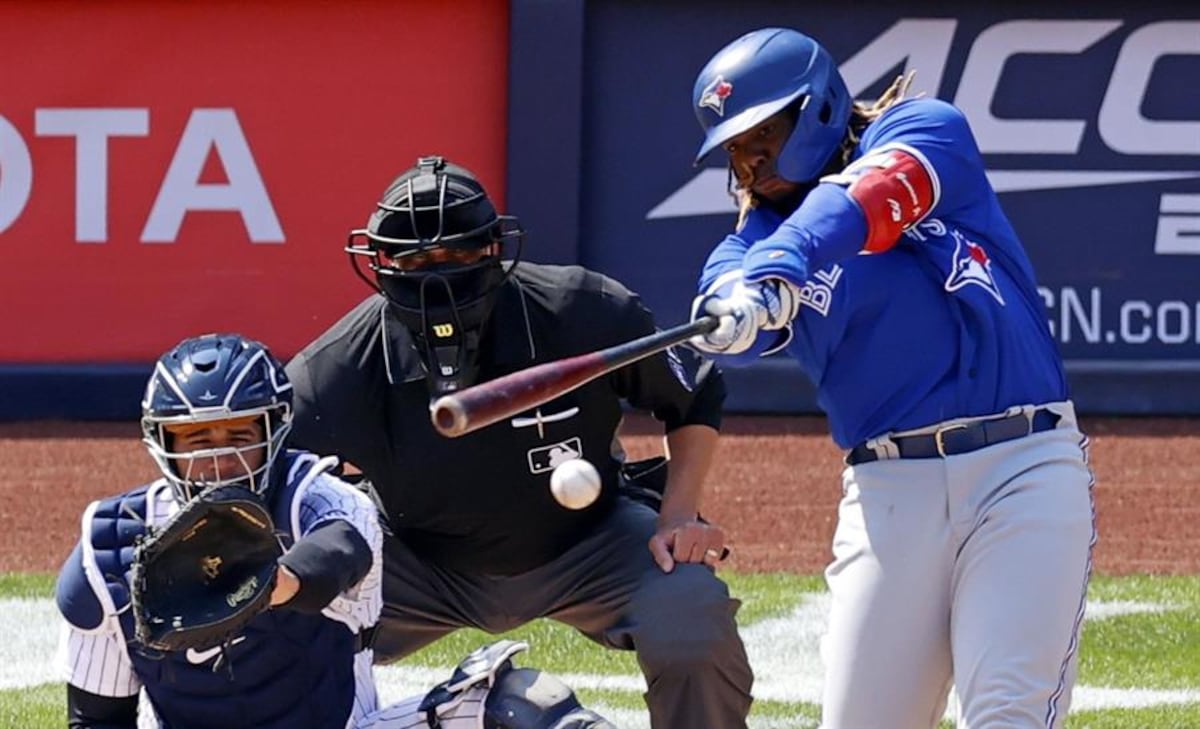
{"x": 169, "y": 169}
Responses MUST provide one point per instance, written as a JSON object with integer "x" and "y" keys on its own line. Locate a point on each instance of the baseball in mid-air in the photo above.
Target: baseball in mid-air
{"x": 575, "y": 483}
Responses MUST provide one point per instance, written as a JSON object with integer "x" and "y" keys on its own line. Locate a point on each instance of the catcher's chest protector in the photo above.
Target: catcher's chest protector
{"x": 290, "y": 670}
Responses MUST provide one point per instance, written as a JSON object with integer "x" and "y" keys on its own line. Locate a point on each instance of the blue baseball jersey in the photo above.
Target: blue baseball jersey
{"x": 946, "y": 323}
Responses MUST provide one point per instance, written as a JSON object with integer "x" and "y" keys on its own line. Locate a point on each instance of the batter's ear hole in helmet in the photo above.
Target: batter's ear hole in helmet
{"x": 826, "y": 112}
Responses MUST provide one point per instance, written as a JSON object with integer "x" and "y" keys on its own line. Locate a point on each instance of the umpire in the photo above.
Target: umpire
{"x": 477, "y": 538}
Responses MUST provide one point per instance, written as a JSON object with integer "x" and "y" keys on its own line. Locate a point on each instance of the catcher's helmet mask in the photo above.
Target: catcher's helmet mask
{"x": 435, "y": 244}
{"x": 209, "y": 379}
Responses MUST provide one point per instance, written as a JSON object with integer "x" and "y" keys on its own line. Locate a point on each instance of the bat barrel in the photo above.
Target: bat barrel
{"x": 449, "y": 416}
{"x": 481, "y": 405}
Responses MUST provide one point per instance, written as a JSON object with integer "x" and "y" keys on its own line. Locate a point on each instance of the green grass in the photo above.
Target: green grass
{"x": 16, "y": 584}
{"x": 36, "y": 708}
{"x": 559, "y": 649}
{"x": 1139, "y": 651}
{"x": 770, "y": 595}
{"x": 1169, "y": 717}
{"x": 1157, "y": 651}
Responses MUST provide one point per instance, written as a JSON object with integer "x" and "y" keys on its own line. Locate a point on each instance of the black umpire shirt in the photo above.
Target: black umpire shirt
{"x": 482, "y": 502}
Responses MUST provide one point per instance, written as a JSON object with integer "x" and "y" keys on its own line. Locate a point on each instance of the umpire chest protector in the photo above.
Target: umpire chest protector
{"x": 482, "y": 503}
{"x": 288, "y": 669}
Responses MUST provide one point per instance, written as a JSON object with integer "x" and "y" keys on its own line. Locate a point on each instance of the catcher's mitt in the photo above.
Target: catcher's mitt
{"x": 201, "y": 578}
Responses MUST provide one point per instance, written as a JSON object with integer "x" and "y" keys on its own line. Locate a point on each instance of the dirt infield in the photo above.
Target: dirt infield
{"x": 775, "y": 488}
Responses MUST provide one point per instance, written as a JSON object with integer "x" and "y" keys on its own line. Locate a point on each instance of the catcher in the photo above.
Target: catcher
{"x": 242, "y": 587}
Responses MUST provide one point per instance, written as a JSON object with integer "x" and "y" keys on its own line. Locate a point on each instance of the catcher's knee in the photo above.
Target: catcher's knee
{"x": 526, "y": 698}
{"x": 508, "y": 697}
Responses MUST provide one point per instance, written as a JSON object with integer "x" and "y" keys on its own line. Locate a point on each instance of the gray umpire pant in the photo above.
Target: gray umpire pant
{"x": 608, "y": 587}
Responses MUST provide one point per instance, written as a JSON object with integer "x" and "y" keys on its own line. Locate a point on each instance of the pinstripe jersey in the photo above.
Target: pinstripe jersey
{"x": 289, "y": 669}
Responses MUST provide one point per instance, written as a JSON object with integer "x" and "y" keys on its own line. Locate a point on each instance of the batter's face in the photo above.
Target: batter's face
{"x": 753, "y": 154}
{"x": 221, "y": 449}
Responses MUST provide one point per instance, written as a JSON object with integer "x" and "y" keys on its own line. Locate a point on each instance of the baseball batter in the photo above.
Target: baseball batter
{"x": 871, "y": 247}
{"x": 218, "y": 411}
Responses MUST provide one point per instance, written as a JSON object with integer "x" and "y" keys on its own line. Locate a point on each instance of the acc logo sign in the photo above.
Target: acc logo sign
{"x": 925, "y": 45}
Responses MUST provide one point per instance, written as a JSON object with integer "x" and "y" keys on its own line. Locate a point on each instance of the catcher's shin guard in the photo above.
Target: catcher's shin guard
{"x": 526, "y": 698}
{"x": 510, "y": 698}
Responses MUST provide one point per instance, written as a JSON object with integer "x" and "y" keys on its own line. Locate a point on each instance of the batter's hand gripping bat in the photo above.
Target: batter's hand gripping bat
{"x": 489, "y": 402}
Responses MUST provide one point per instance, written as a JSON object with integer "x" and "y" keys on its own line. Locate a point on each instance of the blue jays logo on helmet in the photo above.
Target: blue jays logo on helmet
{"x": 763, "y": 73}
{"x": 211, "y": 378}
{"x": 715, "y": 93}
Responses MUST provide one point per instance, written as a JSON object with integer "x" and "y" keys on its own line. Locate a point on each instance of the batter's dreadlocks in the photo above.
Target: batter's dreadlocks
{"x": 861, "y": 116}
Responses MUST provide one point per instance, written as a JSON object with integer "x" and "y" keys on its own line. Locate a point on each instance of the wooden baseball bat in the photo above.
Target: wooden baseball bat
{"x": 489, "y": 402}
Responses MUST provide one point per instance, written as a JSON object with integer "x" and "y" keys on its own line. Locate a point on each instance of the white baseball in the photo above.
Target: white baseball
{"x": 575, "y": 483}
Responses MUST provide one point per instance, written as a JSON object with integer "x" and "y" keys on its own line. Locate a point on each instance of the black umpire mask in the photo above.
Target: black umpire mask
{"x": 435, "y": 244}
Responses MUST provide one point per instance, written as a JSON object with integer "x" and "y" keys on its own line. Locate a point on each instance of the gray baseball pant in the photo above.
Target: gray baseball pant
{"x": 682, "y": 624}
{"x": 971, "y": 569}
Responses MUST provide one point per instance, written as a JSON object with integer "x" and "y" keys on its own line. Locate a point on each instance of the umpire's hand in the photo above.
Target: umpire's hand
{"x": 690, "y": 540}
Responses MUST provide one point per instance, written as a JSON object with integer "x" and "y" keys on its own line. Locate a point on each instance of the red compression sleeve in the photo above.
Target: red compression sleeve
{"x": 895, "y": 189}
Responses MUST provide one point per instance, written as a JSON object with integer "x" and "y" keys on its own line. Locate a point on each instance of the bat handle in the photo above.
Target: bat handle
{"x": 706, "y": 324}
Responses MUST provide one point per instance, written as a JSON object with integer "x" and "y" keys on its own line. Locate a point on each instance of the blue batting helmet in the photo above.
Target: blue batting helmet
{"x": 761, "y": 74}
{"x": 210, "y": 378}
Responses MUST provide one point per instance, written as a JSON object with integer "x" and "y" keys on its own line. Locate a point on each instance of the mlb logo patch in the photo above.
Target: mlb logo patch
{"x": 547, "y": 458}
{"x": 971, "y": 265}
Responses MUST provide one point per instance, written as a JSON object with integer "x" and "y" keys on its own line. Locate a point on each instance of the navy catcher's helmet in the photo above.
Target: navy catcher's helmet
{"x": 761, "y": 74}
{"x": 210, "y": 378}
